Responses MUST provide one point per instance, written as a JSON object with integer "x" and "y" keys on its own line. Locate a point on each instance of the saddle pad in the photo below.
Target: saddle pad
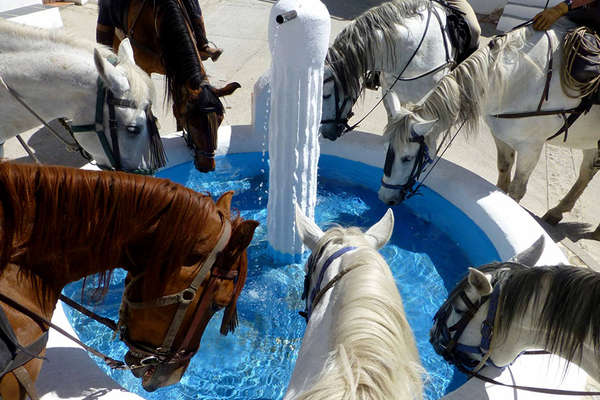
{"x": 112, "y": 12}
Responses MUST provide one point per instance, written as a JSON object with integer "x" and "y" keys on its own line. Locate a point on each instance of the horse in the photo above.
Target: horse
{"x": 46, "y": 75}
{"x": 503, "y": 309}
{"x": 357, "y": 342}
{"x": 185, "y": 255}
{"x": 164, "y": 41}
{"x": 406, "y": 41}
{"x": 502, "y": 83}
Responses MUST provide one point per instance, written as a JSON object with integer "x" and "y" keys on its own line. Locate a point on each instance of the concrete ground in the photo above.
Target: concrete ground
{"x": 240, "y": 28}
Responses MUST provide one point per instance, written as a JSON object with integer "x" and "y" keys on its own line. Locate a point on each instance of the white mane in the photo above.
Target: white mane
{"x": 461, "y": 95}
{"x": 19, "y": 38}
{"x": 375, "y": 355}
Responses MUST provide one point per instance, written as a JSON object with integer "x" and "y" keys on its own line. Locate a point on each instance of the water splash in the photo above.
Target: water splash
{"x": 298, "y": 48}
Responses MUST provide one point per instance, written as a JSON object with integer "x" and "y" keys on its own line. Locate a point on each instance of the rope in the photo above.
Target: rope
{"x": 579, "y": 43}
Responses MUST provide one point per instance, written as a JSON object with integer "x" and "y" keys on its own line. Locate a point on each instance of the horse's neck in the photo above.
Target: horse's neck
{"x": 58, "y": 82}
{"x": 525, "y": 334}
{"x": 317, "y": 342}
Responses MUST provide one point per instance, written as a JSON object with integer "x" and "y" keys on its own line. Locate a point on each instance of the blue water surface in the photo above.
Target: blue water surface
{"x": 432, "y": 245}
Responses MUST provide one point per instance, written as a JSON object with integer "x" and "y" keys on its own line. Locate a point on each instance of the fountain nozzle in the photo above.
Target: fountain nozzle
{"x": 286, "y": 16}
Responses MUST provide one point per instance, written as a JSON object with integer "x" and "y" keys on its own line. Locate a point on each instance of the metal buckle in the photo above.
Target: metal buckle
{"x": 148, "y": 361}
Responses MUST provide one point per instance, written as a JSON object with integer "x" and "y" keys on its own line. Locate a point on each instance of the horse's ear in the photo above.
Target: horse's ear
{"x": 423, "y": 127}
{"x": 240, "y": 239}
{"x": 308, "y": 231}
{"x": 379, "y": 234}
{"x": 126, "y": 52}
{"x": 224, "y": 203}
{"x": 112, "y": 78}
{"x": 480, "y": 282}
{"x": 226, "y": 90}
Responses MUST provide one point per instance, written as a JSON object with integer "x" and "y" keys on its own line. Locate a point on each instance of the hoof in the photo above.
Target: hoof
{"x": 551, "y": 218}
{"x": 596, "y": 234}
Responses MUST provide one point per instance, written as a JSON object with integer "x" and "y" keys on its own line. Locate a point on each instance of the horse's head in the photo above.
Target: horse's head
{"x": 125, "y": 135}
{"x": 458, "y": 325}
{"x": 337, "y": 107}
{"x": 163, "y": 329}
{"x": 408, "y": 152}
{"x": 200, "y": 108}
{"x": 328, "y": 247}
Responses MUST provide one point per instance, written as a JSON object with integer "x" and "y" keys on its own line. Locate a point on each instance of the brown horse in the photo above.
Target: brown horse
{"x": 184, "y": 253}
{"x": 165, "y": 40}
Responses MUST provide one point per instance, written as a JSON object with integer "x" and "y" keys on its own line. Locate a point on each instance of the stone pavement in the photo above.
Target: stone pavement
{"x": 240, "y": 27}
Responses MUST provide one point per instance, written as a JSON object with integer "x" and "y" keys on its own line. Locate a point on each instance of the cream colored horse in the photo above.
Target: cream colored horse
{"x": 357, "y": 343}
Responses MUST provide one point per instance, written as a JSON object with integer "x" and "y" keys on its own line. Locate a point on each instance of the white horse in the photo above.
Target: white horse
{"x": 57, "y": 76}
{"x": 357, "y": 343}
{"x": 508, "y": 76}
{"x": 554, "y": 308}
{"x": 385, "y": 38}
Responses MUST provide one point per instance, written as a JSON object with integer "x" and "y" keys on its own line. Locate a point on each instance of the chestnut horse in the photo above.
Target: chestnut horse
{"x": 184, "y": 253}
{"x": 164, "y": 39}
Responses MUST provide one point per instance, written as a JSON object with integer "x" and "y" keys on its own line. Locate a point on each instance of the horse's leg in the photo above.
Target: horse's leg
{"x": 527, "y": 157}
{"x": 506, "y": 159}
{"x": 586, "y": 173}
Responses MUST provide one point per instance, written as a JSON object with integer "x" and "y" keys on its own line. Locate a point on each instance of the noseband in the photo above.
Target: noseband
{"x": 422, "y": 158}
{"x": 445, "y": 339}
{"x": 165, "y": 353}
{"x": 340, "y": 122}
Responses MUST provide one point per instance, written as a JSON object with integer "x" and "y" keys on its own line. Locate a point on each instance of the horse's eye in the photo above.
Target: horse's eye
{"x": 134, "y": 129}
{"x": 406, "y": 159}
{"x": 326, "y": 96}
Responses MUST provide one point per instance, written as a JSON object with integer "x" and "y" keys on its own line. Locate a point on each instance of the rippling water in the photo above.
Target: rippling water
{"x": 256, "y": 362}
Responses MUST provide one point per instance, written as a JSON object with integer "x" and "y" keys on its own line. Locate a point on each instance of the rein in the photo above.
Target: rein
{"x": 449, "y": 61}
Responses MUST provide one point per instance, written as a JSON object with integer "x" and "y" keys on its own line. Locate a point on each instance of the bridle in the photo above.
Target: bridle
{"x": 445, "y": 339}
{"x": 422, "y": 158}
{"x": 112, "y": 150}
{"x": 166, "y": 353}
{"x": 315, "y": 295}
{"x": 340, "y": 122}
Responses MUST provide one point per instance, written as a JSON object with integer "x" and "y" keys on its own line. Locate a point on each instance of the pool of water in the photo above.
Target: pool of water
{"x": 432, "y": 245}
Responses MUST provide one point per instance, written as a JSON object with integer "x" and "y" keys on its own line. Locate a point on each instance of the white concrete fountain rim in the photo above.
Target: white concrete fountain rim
{"x": 510, "y": 229}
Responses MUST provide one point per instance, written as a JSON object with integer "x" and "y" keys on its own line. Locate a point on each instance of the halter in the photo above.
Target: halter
{"x": 112, "y": 151}
{"x": 339, "y": 121}
{"x": 444, "y": 339}
{"x": 422, "y": 158}
{"x": 165, "y": 353}
{"x": 317, "y": 293}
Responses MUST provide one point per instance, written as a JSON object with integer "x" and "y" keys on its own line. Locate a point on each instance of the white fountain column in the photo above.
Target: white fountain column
{"x": 298, "y": 40}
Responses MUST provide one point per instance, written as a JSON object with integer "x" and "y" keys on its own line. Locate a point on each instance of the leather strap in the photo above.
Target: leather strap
{"x": 25, "y": 381}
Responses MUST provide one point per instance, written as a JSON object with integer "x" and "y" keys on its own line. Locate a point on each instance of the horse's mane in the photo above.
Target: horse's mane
{"x": 564, "y": 297}
{"x": 375, "y": 355}
{"x": 179, "y": 54}
{"x": 53, "y": 218}
{"x": 461, "y": 95}
{"x": 354, "y": 48}
{"x": 45, "y": 41}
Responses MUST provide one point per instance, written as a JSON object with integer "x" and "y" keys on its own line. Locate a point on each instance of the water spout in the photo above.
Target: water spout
{"x": 298, "y": 49}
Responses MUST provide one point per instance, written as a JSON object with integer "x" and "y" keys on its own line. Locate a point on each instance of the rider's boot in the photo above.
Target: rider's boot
{"x": 205, "y": 49}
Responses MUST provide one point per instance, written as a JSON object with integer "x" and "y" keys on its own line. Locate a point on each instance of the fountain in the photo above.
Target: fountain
{"x": 298, "y": 40}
